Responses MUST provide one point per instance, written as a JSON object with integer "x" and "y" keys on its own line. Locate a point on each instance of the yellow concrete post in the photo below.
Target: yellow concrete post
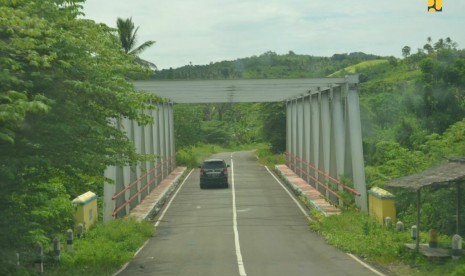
{"x": 86, "y": 209}
{"x": 381, "y": 204}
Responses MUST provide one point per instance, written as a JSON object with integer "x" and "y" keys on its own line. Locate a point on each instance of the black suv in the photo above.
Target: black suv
{"x": 214, "y": 172}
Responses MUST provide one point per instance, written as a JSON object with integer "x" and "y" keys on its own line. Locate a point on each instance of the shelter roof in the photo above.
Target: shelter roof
{"x": 439, "y": 175}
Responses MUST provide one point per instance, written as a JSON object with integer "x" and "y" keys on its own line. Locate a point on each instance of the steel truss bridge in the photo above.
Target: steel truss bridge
{"x": 323, "y": 134}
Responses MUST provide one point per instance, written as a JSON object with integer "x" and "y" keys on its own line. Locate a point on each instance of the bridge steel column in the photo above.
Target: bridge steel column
{"x": 289, "y": 133}
{"x": 307, "y": 135}
{"x": 156, "y": 140}
{"x": 315, "y": 137}
{"x": 172, "y": 137}
{"x": 324, "y": 129}
{"x": 156, "y": 145}
{"x": 326, "y": 137}
{"x": 356, "y": 145}
{"x": 300, "y": 133}
{"x": 338, "y": 141}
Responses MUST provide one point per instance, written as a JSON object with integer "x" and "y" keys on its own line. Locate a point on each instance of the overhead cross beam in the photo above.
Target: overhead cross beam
{"x": 238, "y": 91}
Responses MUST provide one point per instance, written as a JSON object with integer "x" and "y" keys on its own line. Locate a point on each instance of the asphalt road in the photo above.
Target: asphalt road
{"x": 253, "y": 228}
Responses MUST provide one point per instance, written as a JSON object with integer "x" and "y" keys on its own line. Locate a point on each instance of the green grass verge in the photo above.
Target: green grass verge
{"x": 267, "y": 158}
{"x": 105, "y": 248}
{"x": 358, "y": 233}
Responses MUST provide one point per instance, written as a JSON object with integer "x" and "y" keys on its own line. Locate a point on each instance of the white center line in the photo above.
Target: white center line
{"x": 240, "y": 263}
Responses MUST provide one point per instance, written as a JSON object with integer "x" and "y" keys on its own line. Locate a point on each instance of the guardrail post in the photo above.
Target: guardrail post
{"x": 69, "y": 240}
{"x": 56, "y": 249}
{"x": 456, "y": 247}
{"x": 80, "y": 231}
{"x": 39, "y": 257}
{"x": 400, "y": 226}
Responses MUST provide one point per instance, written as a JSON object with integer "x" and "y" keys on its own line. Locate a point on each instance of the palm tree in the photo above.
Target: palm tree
{"x": 127, "y": 35}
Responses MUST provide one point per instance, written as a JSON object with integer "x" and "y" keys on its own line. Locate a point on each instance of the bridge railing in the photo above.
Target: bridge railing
{"x": 292, "y": 161}
{"x": 167, "y": 164}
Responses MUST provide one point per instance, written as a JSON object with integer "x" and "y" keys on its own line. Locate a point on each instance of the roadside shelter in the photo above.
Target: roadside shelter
{"x": 442, "y": 175}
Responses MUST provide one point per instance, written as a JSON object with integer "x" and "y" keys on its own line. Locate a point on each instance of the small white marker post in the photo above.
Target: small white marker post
{"x": 69, "y": 240}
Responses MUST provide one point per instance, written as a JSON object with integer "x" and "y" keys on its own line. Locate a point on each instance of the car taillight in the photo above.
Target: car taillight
{"x": 225, "y": 170}
{"x": 202, "y": 171}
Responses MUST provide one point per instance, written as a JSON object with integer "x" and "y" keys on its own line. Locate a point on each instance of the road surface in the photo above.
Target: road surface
{"x": 253, "y": 228}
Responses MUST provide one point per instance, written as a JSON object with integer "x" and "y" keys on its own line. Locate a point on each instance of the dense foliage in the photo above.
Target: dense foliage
{"x": 222, "y": 124}
{"x": 413, "y": 116}
{"x": 412, "y": 111}
{"x": 64, "y": 82}
{"x": 268, "y": 65}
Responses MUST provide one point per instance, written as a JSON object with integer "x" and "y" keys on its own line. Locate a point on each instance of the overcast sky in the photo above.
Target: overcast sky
{"x": 204, "y": 31}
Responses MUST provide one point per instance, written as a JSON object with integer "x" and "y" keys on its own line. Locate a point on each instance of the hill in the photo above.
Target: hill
{"x": 268, "y": 65}
{"x": 353, "y": 69}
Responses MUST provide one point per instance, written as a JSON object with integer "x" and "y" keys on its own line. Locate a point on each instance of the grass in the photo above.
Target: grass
{"x": 105, "y": 248}
{"x": 267, "y": 158}
{"x": 358, "y": 233}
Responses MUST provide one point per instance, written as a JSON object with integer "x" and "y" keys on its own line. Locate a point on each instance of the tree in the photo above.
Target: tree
{"x": 406, "y": 51}
{"x": 128, "y": 37}
{"x": 63, "y": 81}
{"x": 429, "y": 49}
{"x": 274, "y": 126}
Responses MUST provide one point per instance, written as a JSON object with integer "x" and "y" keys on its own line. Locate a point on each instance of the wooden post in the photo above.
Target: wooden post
{"x": 417, "y": 247}
{"x": 459, "y": 206}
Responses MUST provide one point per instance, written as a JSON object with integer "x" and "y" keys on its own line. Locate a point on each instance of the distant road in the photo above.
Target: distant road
{"x": 253, "y": 228}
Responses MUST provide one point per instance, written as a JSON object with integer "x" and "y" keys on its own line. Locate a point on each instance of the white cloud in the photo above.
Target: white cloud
{"x": 203, "y": 31}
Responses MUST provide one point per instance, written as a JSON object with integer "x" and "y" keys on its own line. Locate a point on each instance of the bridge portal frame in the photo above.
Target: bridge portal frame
{"x": 323, "y": 128}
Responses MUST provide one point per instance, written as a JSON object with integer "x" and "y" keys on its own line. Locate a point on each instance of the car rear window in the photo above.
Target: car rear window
{"x": 213, "y": 165}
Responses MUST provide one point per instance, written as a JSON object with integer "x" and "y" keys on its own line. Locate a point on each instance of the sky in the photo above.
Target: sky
{"x": 199, "y": 32}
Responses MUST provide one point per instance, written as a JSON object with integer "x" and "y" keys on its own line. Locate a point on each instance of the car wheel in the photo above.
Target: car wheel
{"x": 202, "y": 186}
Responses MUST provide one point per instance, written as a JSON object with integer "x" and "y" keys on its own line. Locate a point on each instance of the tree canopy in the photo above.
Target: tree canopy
{"x": 64, "y": 83}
